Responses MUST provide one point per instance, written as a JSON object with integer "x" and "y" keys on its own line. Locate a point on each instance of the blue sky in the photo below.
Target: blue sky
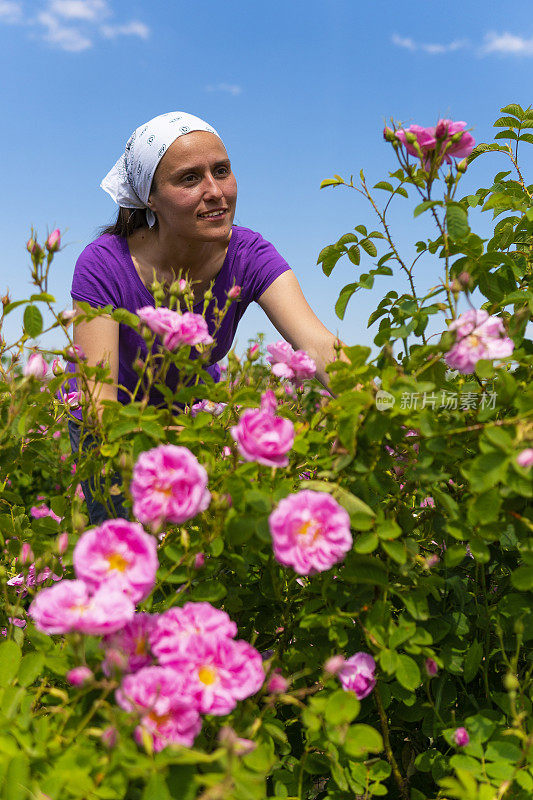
{"x": 298, "y": 91}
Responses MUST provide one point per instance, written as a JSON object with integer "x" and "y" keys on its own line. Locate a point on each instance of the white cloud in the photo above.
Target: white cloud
{"x": 62, "y": 36}
{"x": 10, "y": 12}
{"x": 230, "y": 88}
{"x": 507, "y": 44}
{"x": 432, "y": 49}
{"x": 133, "y": 28}
{"x": 90, "y": 10}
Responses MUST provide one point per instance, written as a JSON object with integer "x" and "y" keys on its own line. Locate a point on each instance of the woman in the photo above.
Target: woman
{"x": 177, "y": 197}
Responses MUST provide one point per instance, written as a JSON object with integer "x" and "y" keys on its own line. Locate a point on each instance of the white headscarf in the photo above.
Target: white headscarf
{"x": 130, "y": 180}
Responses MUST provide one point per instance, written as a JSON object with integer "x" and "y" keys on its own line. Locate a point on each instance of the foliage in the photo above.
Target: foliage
{"x": 447, "y": 579}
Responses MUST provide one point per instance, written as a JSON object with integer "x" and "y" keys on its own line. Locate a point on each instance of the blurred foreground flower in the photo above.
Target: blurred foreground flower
{"x": 310, "y": 532}
{"x": 262, "y": 436}
{"x": 176, "y": 330}
{"x": 461, "y": 737}
{"x": 36, "y": 366}
{"x": 478, "y": 336}
{"x": 525, "y": 458}
{"x": 357, "y": 674}
{"x": 288, "y": 363}
{"x": 168, "y": 484}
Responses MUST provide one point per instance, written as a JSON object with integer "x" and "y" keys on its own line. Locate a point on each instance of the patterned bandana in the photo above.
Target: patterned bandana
{"x": 130, "y": 180}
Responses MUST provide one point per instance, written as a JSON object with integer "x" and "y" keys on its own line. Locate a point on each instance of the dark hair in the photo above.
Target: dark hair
{"x": 128, "y": 220}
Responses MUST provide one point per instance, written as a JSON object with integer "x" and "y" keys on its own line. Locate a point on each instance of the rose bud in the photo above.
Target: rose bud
{"x": 234, "y": 292}
{"x": 53, "y": 242}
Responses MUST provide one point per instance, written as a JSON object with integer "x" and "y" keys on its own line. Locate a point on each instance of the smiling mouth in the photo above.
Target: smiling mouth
{"x": 217, "y": 214}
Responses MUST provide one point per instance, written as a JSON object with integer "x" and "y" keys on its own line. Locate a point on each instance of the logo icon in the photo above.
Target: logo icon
{"x": 384, "y": 400}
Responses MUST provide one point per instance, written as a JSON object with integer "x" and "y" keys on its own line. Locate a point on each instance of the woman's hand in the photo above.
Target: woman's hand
{"x": 290, "y": 313}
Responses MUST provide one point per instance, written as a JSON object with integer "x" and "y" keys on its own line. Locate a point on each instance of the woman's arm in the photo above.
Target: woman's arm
{"x": 99, "y": 341}
{"x": 288, "y": 310}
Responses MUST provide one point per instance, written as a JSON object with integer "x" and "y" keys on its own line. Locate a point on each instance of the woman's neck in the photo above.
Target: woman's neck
{"x": 169, "y": 255}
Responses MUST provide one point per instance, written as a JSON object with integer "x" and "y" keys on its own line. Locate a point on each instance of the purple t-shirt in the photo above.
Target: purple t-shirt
{"x": 105, "y": 275}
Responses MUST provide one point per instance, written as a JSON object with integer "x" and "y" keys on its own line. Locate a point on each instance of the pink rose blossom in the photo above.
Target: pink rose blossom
{"x": 334, "y": 664}
{"x": 26, "y": 554}
{"x": 199, "y": 561}
{"x": 357, "y": 675}
{"x": 262, "y": 436}
{"x": 461, "y": 737}
{"x": 431, "y": 667}
{"x": 525, "y": 458}
{"x": 277, "y": 684}
{"x": 427, "y": 502}
{"x": 32, "y": 578}
{"x": 67, "y": 315}
{"x": 168, "y": 484}
{"x": 478, "y": 336}
{"x": 74, "y": 353}
{"x": 62, "y": 543}
{"x": 209, "y": 407}
{"x": 176, "y": 330}
{"x": 53, "y": 242}
{"x": 160, "y": 697}
{"x": 17, "y": 622}
{"x": 38, "y": 512}
{"x": 219, "y": 672}
{"x": 36, "y": 366}
{"x": 79, "y": 675}
{"x": 128, "y": 650}
{"x": 121, "y": 552}
{"x": 69, "y": 606}
{"x": 310, "y": 532}
{"x": 174, "y": 629}
{"x": 435, "y": 142}
{"x": 287, "y": 363}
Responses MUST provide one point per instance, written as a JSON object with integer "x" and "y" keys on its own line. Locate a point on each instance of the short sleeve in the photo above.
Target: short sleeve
{"x": 95, "y": 278}
{"x": 263, "y": 265}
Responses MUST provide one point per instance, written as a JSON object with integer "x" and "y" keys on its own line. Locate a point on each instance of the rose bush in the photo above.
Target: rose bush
{"x": 320, "y": 597}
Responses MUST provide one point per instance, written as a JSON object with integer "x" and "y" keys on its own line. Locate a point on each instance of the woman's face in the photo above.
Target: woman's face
{"x": 196, "y": 191}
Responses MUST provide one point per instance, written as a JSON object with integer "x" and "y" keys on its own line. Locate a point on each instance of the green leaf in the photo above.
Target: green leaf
{"x": 388, "y": 187}
{"x": 457, "y": 221}
{"x": 30, "y": 668}
{"x": 506, "y": 122}
{"x": 365, "y": 569}
{"x": 522, "y": 578}
{"x": 210, "y": 590}
{"x": 33, "y": 321}
{"x": 10, "y": 656}
{"x": 514, "y": 109}
{"x": 156, "y": 788}
{"x": 369, "y": 247}
{"x": 341, "y": 707}
{"x": 408, "y": 673}
{"x": 366, "y": 543}
{"x": 362, "y": 739}
{"x": 395, "y": 550}
{"x": 485, "y": 148}
{"x": 472, "y": 661}
{"x": 329, "y": 182}
{"x": 342, "y": 302}
{"x": 361, "y": 515}
{"x": 425, "y": 205}
{"x": 17, "y": 779}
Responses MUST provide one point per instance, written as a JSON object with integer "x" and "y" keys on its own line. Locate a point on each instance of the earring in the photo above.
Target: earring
{"x": 150, "y": 217}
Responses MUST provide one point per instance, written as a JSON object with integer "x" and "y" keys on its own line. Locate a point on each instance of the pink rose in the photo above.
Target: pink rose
{"x": 219, "y": 672}
{"x": 525, "y": 458}
{"x": 121, "y": 552}
{"x": 461, "y": 737}
{"x": 69, "y": 606}
{"x": 234, "y": 292}
{"x": 445, "y": 129}
{"x": 209, "y": 407}
{"x": 310, "y": 532}
{"x": 334, "y": 664}
{"x": 277, "y": 684}
{"x": 161, "y": 698}
{"x": 262, "y": 436}
{"x": 53, "y": 242}
{"x": 168, "y": 484}
{"x": 174, "y": 629}
{"x": 128, "y": 650}
{"x": 176, "y": 330}
{"x": 74, "y": 353}
{"x": 79, "y": 675}
{"x": 435, "y": 142}
{"x": 38, "y": 512}
{"x": 357, "y": 675}
{"x": 478, "y": 336}
{"x": 36, "y": 366}
{"x": 287, "y": 363}
{"x": 430, "y": 665}
{"x": 228, "y": 738}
